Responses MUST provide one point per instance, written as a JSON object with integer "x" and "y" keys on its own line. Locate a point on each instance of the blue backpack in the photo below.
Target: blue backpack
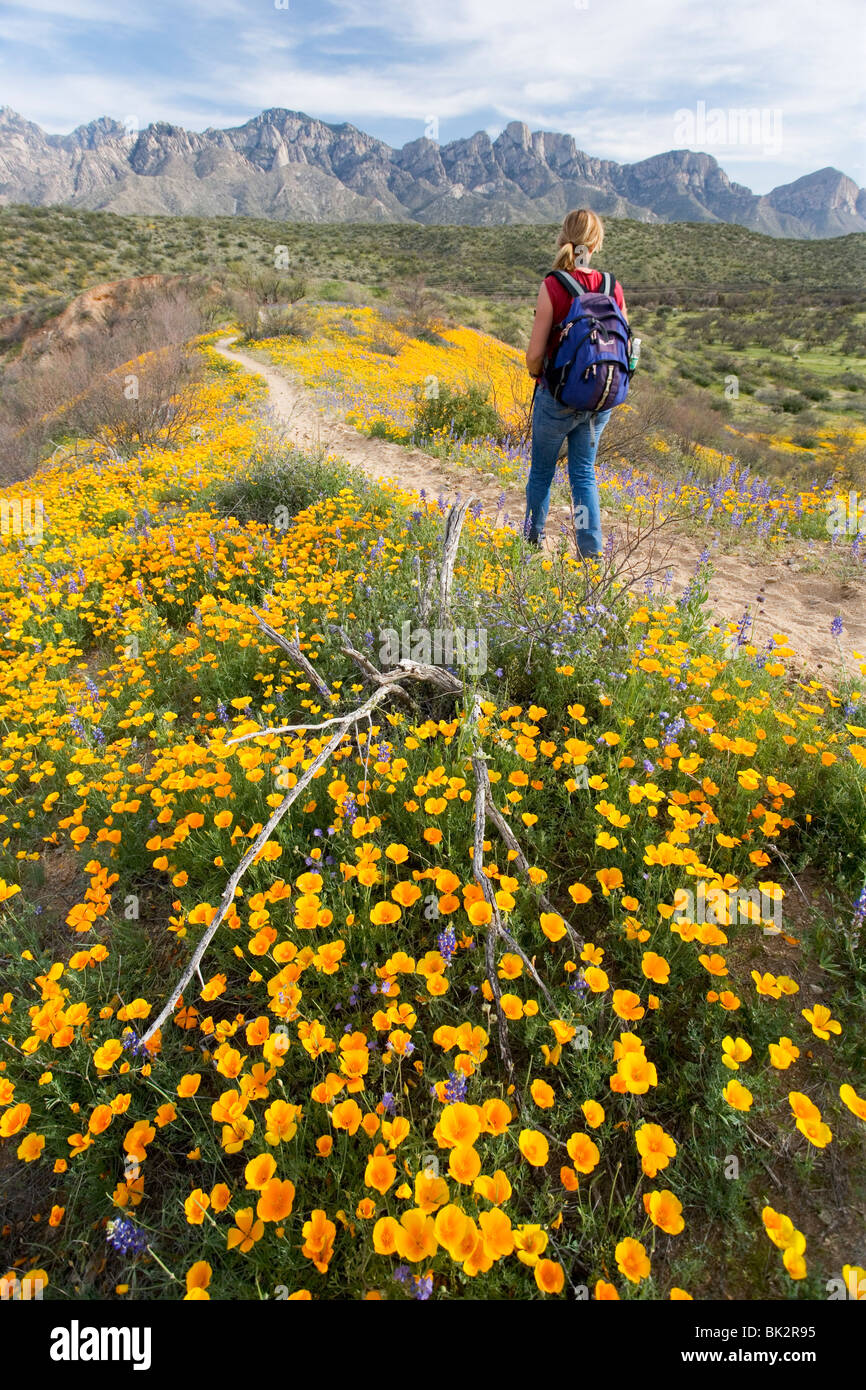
{"x": 592, "y": 365}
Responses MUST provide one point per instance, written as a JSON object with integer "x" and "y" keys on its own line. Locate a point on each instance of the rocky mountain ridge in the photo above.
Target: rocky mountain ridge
{"x": 287, "y": 165}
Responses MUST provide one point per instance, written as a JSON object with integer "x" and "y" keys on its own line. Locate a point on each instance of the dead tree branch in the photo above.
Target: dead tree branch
{"x": 294, "y": 651}
{"x": 520, "y": 860}
{"x": 484, "y": 801}
{"x": 366, "y": 666}
{"x": 453, "y": 528}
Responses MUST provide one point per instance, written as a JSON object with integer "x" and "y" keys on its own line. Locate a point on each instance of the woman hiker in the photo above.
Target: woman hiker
{"x": 582, "y": 234}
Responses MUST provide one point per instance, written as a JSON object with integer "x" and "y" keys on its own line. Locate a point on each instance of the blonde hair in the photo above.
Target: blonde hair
{"x": 580, "y": 228}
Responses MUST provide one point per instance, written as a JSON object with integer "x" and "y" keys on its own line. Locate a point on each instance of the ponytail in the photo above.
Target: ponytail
{"x": 582, "y": 233}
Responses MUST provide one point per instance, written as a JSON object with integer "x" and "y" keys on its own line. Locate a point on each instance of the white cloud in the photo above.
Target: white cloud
{"x": 604, "y": 63}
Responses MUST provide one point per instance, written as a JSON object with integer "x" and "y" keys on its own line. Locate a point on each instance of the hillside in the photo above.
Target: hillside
{"x": 61, "y": 251}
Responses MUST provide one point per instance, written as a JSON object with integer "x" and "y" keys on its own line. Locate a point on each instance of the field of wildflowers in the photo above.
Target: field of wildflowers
{"x": 361, "y": 363}
{"x": 564, "y": 1052}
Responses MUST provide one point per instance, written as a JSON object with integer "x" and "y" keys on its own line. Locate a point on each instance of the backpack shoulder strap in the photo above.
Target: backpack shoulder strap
{"x": 568, "y": 282}
{"x": 575, "y": 289}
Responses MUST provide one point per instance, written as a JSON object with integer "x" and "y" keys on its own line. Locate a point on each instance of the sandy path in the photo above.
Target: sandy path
{"x": 800, "y": 605}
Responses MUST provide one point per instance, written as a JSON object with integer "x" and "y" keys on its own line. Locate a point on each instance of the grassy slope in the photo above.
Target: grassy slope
{"x": 60, "y": 251}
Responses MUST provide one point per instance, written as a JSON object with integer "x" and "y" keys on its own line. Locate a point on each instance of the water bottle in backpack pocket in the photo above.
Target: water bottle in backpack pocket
{"x": 594, "y": 360}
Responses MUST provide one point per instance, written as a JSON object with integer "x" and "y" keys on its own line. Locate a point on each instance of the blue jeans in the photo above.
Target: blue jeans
{"x": 551, "y": 424}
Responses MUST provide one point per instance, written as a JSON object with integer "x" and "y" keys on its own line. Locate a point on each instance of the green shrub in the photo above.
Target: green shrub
{"x": 333, "y": 291}
{"x": 381, "y": 429}
{"x": 467, "y": 413}
{"x": 277, "y": 484}
{"x": 794, "y": 404}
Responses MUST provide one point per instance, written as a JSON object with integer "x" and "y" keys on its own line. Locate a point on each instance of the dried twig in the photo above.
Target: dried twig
{"x": 294, "y": 651}
{"x": 407, "y": 670}
{"x": 389, "y": 684}
{"x": 425, "y": 590}
{"x": 520, "y": 860}
{"x": 484, "y": 805}
{"x": 345, "y": 722}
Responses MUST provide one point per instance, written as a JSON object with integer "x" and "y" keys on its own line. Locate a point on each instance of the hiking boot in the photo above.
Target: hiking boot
{"x": 535, "y": 538}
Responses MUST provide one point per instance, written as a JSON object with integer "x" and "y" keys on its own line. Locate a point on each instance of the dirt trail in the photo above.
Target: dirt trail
{"x": 800, "y": 605}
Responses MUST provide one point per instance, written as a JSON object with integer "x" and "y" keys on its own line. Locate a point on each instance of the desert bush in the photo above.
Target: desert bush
{"x": 285, "y": 321}
{"x": 262, "y": 300}
{"x": 133, "y": 386}
{"x": 381, "y": 429}
{"x": 686, "y": 420}
{"x": 419, "y": 309}
{"x": 266, "y": 284}
{"x": 150, "y": 400}
{"x": 466, "y": 413}
{"x": 855, "y": 467}
{"x": 385, "y": 347}
{"x": 243, "y": 307}
{"x": 17, "y": 326}
{"x": 277, "y": 483}
{"x": 512, "y": 326}
{"x": 633, "y": 429}
{"x": 337, "y": 292}
{"x": 769, "y": 395}
{"x": 128, "y": 383}
{"x": 20, "y": 446}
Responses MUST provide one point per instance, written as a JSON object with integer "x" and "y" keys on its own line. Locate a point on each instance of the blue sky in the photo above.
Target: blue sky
{"x": 627, "y": 79}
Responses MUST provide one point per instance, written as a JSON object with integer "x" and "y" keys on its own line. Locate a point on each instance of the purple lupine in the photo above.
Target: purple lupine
{"x": 579, "y": 985}
{"x": 455, "y": 1088}
{"x": 125, "y": 1237}
{"x": 447, "y": 943}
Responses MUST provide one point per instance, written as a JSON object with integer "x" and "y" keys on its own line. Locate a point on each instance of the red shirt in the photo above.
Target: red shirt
{"x": 561, "y": 299}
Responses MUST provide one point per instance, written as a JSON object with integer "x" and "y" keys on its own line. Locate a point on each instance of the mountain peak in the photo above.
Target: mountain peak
{"x": 91, "y": 135}
{"x": 10, "y": 119}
